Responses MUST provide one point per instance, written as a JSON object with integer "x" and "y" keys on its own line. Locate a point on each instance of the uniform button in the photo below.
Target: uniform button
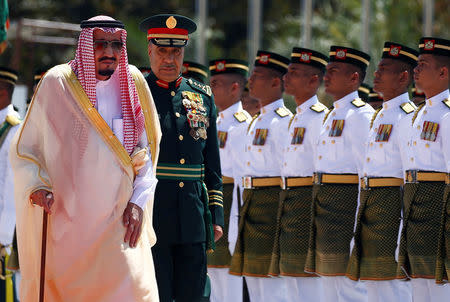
{"x": 296, "y": 119}
{"x": 180, "y": 137}
{"x": 412, "y": 158}
{"x": 381, "y": 115}
{"x": 424, "y": 112}
{"x": 182, "y": 161}
{"x": 249, "y": 147}
{"x": 333, "y": 114}
{"x": 368, "y": 159}
{"x": 177, "y": 114}
{"x": 415, "y": 143}
{"x": 381, "y": 145}
{"x": 285, "y": 164}
{"x": 181, "y": 184}
{"x": 248, "y": 163}
{"x": 251, "y": 132}
{"x": 328, "y": 127}
{"x": 418, "y": 127}
{"x": 259, "y": 150}
{"x": 323, "y": 142}
{"x": 376, "y": 129}
{"x": 172, "y": 93}
{"x": 371, "y": 144}
{"x": 427, "y": 145}
{"x": 320, "y": 156}
{"x": 295, "y": 148}
{"x": 259, "y": 118}
{"x": 333, "y": 141}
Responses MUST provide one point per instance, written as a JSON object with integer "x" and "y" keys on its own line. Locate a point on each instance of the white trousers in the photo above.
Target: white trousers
{"x": 388, "y": 291}
{"x": 342, "y": 289}
{"x": 224, "y": 287}
{"x": 426, "y": 290}
{"x": 266, "y": 289}
{"x": 301, "y": 289}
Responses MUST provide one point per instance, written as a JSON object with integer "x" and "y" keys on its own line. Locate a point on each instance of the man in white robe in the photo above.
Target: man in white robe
{"x": 86, "y": 154}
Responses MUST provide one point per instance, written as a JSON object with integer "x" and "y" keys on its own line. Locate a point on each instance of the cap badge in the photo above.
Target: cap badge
{"x": 264, "y": 59}
{"x": 171, "y": 22}
{"x": 220, "y": 66}
{"x": 305, "y": 57}
{"x": 341, "y": 53}
{"x": 429, "y": 44}
{"x": 395, "y": 51}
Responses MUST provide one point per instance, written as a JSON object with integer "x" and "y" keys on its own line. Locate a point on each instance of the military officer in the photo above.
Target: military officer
{"x": 425, "y": 172}
{"x": 195, "y": 71}
{"x": 338, "y": 165}
{"x": 302, "y": 80}
{"x": 10, "y": 124}
{"x": 228, "y": 77}
{"x": 262, "y": 155}
{"x": 188, "y": 210}
{"x": 378, "y": 220}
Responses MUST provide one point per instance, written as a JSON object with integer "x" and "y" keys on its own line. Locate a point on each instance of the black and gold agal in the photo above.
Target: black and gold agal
{"x": 350, "y": 56}
{"x": 196, "y": 114}
{"x": 434, "y": 46}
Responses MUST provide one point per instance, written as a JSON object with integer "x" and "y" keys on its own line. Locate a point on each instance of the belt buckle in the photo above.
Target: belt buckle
{"x": 317, "y": 178}
{"x": 411, "y": 176}
{"x": 283, "y": 183}
{"x": 247, "y": 182}
{"x": 365, "y": 183}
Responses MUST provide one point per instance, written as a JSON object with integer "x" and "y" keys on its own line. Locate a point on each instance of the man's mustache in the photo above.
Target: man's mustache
{"x": 107, "y": 58}
{"x": 168, "y": 66}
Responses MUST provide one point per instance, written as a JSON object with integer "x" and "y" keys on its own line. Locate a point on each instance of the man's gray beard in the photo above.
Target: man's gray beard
{"x": 106, "y": 72}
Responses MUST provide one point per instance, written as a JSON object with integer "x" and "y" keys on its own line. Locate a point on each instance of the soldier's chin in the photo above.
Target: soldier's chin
{"x": 106, "y": 72}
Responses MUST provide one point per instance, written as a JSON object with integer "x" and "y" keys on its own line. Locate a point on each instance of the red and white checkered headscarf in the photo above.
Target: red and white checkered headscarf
{"x": 84, "y": 68}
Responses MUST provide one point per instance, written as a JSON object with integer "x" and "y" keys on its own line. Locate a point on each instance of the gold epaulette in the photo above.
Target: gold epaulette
{"x": 253, "y": 119}
{"x": 408, "y": 107}
{"x": 240, "y": 116}
{"x": 318, "y": 107}
{"x": 283, "y": 111}
{"x": 12, "y": 120}
{"x": 358, "y": 103}
{"x": 446, "y": 102}
{"x": 417, "y": 112}
{"x": 327, "y": 114}
{"x": 374, "y": 116}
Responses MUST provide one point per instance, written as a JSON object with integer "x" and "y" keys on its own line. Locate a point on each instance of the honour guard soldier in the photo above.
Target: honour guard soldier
{"x": 338, "y": 164}
{"x": 195, "y": 71}
{"x": 378, "y": 219}
{"x": 228, "y": 78}
{"x": 262, "y": 160}
{"x": 10, "y": 124}
{"x": 426, "y": 171}
{"x": 302, "y": 80}
{"x": 188, "y": 210}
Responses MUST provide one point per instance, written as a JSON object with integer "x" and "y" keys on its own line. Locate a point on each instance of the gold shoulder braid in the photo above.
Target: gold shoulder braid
{"x": 374, "y": 116}
{"x": 417, "y": 112}
{"x": 253, "y": 119}
{"x": 327, "y": 114}
{"x": 290, "y": 121}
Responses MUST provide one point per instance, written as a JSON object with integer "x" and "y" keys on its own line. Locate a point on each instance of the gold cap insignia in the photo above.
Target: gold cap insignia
{"x": 395, "y": 51}
{"x": 305, "y": 57}
{"x": 341, "y": 53}
{"x": 171, "y": 22}
{"x": 220, "y": 66}
{"x": 264, "y": 59}
{"x": 429, "y": 44}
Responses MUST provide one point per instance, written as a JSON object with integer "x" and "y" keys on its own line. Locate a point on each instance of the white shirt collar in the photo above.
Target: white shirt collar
{"x": 438, "y": 98}
{"x": 397, "y": 101}
{"x": 311, "y": 101}
{"x": 236, "y": 107}
{"x": 345, "y": 101}
{"x": 272, "y": 106}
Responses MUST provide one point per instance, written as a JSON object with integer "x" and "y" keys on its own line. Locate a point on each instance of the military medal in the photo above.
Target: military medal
{"x": 260, "y": 137}
{"x": 383, "y": 133}
{"x": 337, "y": 127}
{"x": 196, "y": 114}
{"x": 429, "y": 131}
{"x": 297, "y": 137}
{"x": 222, "y": 135}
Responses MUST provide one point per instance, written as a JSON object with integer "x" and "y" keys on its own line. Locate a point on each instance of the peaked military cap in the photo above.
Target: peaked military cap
{"x": 400, "y": 52}
{"x": 364, "y": 91}
{"x": 434, "y": 46}
{"x": 349, "y": 55}
{"x": 168, "y": 29}
{"x": 272, "y": 60}
{"x": 374, "y": 96}
{"x": 194, "y": 70}
{"x": 8, "y": 75}
{"x": 220, "y": 66}
{"x": 145, "y": 70}
{"x": 309, "y": 57}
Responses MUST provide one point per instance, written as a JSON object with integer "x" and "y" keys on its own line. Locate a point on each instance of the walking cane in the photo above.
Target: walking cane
{"x": 43, "y": 252}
